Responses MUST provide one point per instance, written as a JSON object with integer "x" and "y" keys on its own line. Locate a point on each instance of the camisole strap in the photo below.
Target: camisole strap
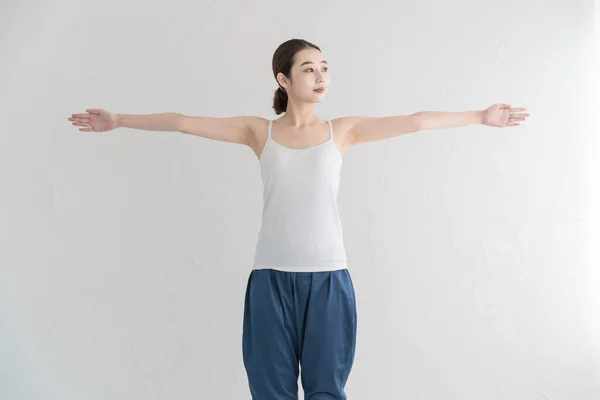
{"x": 269, "y": 131}
{"x": 330, "y": 130}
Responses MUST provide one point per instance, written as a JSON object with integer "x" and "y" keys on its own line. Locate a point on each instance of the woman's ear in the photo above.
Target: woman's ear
{"x": 282, "y": 80}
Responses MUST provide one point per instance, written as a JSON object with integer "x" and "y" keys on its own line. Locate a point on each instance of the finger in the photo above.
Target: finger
{"x": 94, "y": 111}
{"x": 80, "y": 115}
{"x": 81, "y": 123}
{"x": 512, "y": 124}
{"x": 86, "y": 129}
{"x": 517, "y": 109}
{"x": 504, "y": 105}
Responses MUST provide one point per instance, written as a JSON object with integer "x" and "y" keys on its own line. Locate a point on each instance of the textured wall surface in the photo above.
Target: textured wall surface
{"x": 124, "y": 255}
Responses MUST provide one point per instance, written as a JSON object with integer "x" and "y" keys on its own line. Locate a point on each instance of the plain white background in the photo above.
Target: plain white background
{"x": 125, "y": 255}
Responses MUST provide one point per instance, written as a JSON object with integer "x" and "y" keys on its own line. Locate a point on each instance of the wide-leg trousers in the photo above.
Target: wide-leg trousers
{"x": 299, "y": 322}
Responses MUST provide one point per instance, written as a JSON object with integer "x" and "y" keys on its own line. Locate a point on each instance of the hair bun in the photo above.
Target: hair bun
{"x": 280, "y": 101}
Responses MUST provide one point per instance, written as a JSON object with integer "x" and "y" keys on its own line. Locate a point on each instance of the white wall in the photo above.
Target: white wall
{"x": 124, "y": 255}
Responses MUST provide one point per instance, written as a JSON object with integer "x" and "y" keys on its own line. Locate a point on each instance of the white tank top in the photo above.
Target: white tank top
{"x": 301, "y": 229}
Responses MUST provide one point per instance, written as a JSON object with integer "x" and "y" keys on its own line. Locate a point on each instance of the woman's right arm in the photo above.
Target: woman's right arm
{"x": 166, "y": 122}
{"x": 232, "y": 129}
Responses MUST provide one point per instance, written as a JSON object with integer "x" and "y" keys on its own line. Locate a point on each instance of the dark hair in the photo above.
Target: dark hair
{"x": 283, "y": 60}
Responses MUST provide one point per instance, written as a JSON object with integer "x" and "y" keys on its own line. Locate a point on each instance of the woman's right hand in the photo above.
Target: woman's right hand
{"x": 95, "y": 120}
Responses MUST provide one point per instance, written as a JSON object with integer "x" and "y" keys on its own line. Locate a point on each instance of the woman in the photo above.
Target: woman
{"x": 300, "y": 307}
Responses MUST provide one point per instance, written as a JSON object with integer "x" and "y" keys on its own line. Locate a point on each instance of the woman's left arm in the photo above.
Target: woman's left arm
{"x": 497, "y": 115}
{"x": 368, "y": 129}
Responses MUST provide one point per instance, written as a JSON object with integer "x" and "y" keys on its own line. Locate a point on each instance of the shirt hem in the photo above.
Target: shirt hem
{"x": 304, "y": 268}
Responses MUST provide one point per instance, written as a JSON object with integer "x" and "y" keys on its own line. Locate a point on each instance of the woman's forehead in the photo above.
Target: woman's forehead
{"x": 306, "y": 57}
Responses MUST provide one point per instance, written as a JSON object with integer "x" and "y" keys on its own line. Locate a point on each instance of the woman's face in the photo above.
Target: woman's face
{"x": 309, "y": 72}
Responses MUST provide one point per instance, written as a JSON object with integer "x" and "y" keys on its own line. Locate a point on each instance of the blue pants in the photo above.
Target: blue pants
{"x": 299, "y": 317}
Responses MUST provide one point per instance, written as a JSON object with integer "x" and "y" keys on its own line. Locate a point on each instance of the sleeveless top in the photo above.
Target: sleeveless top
{"x": 301, "y": 229}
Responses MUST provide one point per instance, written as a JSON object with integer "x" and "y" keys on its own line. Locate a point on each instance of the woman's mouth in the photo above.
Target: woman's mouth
{"x": 319, "y": 90}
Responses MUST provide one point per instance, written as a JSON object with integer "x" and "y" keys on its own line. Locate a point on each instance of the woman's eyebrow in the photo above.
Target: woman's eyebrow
{"x": 310, "y": 62}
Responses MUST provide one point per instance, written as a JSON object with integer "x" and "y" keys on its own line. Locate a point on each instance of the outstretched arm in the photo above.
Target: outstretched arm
{"x": 368, "y": 129}
{"x": 497, "y": 115}
{"x": 232, "y": 129}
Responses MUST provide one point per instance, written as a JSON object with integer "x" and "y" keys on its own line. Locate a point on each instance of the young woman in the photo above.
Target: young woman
{"x": 300, "y": 306}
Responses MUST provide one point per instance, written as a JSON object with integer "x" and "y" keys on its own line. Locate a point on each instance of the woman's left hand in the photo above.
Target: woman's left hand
{"x": 501, "y": 115}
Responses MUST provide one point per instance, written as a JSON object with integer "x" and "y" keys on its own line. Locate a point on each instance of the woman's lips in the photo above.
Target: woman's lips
{"x": 319, "y": 90}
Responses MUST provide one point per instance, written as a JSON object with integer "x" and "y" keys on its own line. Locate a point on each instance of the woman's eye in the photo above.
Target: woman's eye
{"x": 310, "y": 69}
